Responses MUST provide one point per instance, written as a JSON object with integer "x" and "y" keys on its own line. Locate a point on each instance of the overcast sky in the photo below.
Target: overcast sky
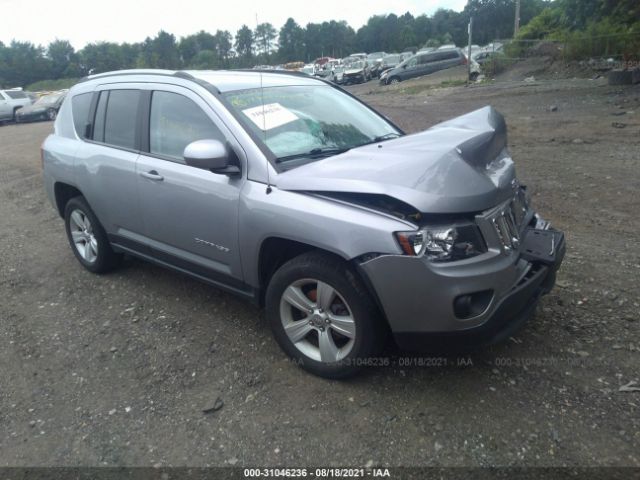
{"x": 87, "y": 21}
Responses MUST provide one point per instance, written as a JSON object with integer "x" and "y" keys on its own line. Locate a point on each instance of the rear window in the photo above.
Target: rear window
{"x": 16, "y": 94}
{"x": 120, "y": 119}
{"x": 80, "y": 105}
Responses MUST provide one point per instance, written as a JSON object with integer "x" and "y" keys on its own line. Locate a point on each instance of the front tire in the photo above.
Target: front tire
{"x": 52, "y": 113}
{"x": 394, "y": 80}
{"x": 88, "y": 240}
{"x": 322, "y": 316}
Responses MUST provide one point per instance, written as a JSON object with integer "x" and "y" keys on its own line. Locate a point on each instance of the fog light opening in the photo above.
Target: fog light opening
{"x": 472, "y": 304}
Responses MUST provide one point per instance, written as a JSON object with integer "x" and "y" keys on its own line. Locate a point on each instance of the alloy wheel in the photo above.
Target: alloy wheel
{"x": 317, "y": 320}
{"x": 82, "y": 235}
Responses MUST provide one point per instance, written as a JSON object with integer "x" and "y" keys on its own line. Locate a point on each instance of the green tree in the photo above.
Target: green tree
{"x": 244, "y": 43}
{"x": 291, "y": 41}
{"x": 64, "y": 60}
{"x": 223, "y": 44}
{"x": 264, "y": 37}
{"x": 160, "y": 52}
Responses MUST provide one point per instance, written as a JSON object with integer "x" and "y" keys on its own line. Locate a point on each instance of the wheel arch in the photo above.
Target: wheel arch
{"x": 63, "y": 192}
{"x": 276, "y": 251}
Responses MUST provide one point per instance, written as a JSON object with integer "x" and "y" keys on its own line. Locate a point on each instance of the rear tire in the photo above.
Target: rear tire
{"x": 322, "y": 316}
{"x": 88, "y": 240}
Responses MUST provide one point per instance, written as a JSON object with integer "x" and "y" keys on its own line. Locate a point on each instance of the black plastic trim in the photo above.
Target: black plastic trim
{"x": 217, "y": 279}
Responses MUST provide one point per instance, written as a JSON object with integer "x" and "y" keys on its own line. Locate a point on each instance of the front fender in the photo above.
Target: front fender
{"x": 345, "y": 230}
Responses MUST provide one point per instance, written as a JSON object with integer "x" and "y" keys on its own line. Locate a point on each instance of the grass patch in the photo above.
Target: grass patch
{"x": 415, "y": 89}
{"x": 48, "y": 85}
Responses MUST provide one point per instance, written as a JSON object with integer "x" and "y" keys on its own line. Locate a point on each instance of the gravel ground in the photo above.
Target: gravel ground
{"x": 117, "y": 369}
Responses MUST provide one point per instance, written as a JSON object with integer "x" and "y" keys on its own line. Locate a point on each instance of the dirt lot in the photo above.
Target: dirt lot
{"x": 116, "y": 369}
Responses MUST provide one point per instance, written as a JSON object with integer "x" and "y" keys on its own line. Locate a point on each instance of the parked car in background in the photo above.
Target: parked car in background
{"x": 393, "y": 60}
{"x": 309, "y": 69}
{"x": 307, "y": 201}
{"x": 356, "y": 72}
{"x": 361, "y": 56}
{"x": 45, "y": 108}
{"x": 10, "y": 102}
{"x": 483, "y": 56}
{"x": 375, "y": 63}
{"x": 423, "y": 64}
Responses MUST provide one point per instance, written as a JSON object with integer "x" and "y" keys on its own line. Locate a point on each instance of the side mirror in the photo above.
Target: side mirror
{"x": 210, "y": 155}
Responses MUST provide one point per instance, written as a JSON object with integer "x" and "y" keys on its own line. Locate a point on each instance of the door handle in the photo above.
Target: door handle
{"x": 152, "y": 175}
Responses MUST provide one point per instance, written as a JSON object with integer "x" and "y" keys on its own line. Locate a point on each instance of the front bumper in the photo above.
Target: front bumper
{"x": 418, "y": 297}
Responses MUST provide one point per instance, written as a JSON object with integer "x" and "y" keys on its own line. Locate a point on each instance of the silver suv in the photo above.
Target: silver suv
{"x": 10, "y": 102}
{"x": 290, "y": 192}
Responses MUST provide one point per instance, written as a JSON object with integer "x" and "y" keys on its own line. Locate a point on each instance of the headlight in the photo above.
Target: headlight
{"x": 443, "y": 243}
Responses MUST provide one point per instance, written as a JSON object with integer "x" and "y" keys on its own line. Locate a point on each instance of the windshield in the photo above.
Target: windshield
{"x": 354, "y": 65}
{"x": 48, "y": 99}
{"x": 308, "y": 122}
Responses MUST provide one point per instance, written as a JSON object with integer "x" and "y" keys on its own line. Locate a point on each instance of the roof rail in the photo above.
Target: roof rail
{"x": 129, "y": 72}
{"x": 266, "y": 70}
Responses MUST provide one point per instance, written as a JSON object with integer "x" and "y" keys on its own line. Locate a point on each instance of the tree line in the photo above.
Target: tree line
{"x": 23, "y": 63}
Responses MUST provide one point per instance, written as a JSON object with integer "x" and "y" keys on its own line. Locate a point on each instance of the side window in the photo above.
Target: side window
{"x": 101, "y": 110}
{"x": 175, "y": 122}
{"x": 413, "y": 62}
{"x": 120, "y": 118}
{"x": 80, "y": 105}
{"x": 433, "y": 57}
{"x": 16, "y": 94}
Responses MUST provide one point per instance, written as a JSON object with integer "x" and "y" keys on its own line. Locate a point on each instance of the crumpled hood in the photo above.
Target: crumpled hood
{"x": 458, "y": 166}
{"x": 353, "y": 71}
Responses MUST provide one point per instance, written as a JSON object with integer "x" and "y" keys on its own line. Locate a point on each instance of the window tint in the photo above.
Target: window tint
{"x": 15, "y": 94}
{"x": 80, "y": 105}
{"x": 98, "y": 122}
{"x": 448, "y": 55}
{"x": 120, "y": 120}
{"x": 175, "y": 122}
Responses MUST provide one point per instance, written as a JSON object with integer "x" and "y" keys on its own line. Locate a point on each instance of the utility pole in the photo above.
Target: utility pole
{"x": 516, "y": 25}
{"x": 469, "y": 51}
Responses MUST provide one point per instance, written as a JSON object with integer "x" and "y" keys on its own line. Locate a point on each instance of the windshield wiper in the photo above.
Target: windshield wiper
{"x": 314, "y": 153}
{"x": 381, "y": 138}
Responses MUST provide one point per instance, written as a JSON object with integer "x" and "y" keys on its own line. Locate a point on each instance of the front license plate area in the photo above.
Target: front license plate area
{"x": 542, "y": 245}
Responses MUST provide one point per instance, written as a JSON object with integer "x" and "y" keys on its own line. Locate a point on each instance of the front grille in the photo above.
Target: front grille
{"x": 508, "y": 221}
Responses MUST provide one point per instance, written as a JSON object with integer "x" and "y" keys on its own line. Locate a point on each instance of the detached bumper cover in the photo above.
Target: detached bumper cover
{"x": 417, "y": 298}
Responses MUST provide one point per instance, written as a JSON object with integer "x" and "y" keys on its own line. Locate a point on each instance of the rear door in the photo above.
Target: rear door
{"x": 190, "y": 215}
{"x": 106, "y": 161}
